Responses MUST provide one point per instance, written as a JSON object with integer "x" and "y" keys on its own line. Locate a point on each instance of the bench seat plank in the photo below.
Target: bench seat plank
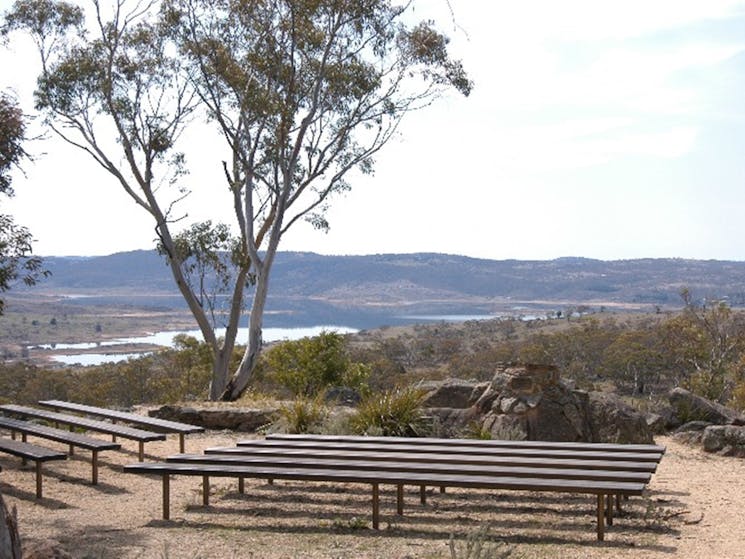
{"x": 153, "y": 423}
{"x": 123, "y": 431}
{"x": 37, "y": 454}
{"x": 59, "y": 435}
{"x": 544, "y": 445}
{"x": 452, "y": 459}
{"x": 392, "y": 464}
{"x": 447, "y": 449}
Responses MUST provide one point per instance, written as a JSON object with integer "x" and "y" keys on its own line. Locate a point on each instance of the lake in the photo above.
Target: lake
{"x": 165, "y": 338}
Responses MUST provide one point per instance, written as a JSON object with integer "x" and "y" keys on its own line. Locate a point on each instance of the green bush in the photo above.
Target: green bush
{"x": 308, "y": 366}
{"x": 394, "y": 413}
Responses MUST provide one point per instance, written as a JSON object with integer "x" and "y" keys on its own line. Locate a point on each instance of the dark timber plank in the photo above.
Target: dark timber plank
{"x": 453, "y": 459}
{"x": 154, "y": 423}
{"x": 461, "y": 450}
{"x": 544, "y": 445}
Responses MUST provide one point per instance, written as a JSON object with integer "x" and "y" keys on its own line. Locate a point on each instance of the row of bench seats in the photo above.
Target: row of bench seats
{"x": 599, "y": 470}
{"x": 40, "y": 454}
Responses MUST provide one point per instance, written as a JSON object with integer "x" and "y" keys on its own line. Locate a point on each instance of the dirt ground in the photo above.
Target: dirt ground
{"x": 692, "y": 509}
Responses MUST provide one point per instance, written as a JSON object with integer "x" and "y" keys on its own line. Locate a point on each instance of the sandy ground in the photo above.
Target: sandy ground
{"x": 693, "y": 509}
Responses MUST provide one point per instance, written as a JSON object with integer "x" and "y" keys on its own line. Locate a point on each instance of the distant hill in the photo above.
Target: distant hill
{"x": 423, "y": 283}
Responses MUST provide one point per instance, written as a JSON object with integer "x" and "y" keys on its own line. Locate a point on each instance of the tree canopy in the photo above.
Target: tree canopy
{"x": 16, "y": 260}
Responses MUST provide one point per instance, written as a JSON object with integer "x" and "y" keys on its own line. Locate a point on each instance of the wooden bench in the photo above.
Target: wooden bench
{"x": 479, "y": 443}
{"x": 543, "y": 469}
{"x": 26, "y": 428}
{"x": 154, "y": 423}
{"x": 377, "y": 477}
{"x": 89, "y": 424}
{"x": 37, "y": 454}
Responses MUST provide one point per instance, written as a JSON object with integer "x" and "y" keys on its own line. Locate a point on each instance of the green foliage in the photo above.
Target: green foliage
{"x": 16, "y": 260}
{"x": 392, "y": 413}
{"x": 303, "y": 415}
{"x": 308, "y": 366}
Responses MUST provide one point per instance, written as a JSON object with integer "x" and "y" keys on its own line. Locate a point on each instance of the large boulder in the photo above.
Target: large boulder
{"x": 614, "y": 421}
{"x": 236, "y": 419}
{"x": 724, "y": 439}
{"x": 452, "y": 393}
{"x": 690, "y": 407}
{"x": 532, "y": 402}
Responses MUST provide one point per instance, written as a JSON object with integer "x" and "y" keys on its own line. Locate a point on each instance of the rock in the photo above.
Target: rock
{"x": 724, "y": 439}
{"x": 48, "y": 549}
{"x": 452, "y": 393}
{"x": 245, "y": 420}
{"x": 656, "y": 423}
{"x": 531, "y": 401}
{"x": 614, "y": 421}
{"x": 448, "y": 422}
{"x": 693, "y": 426}
{"x": 690, "y": 407}
{"x": 10, "y": 541}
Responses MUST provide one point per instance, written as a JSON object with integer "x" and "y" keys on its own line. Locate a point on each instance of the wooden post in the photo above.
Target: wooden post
{"x": 94, "y": 465}
{"x": 609, "y": 509}
{"x": 601, "y": 517}
{"x": 38, "y": 479}
{"x": 376, "y": 506}
{"x": 206, "y": 491}
{"x": 400, "y": 499}
{"x": 166, "y": 497}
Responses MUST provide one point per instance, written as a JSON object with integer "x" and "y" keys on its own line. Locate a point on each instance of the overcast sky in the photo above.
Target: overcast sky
{"x": 601, "y": 129}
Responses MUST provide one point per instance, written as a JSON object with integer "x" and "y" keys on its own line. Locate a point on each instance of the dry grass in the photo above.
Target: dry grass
{"x": 120, "y": 518}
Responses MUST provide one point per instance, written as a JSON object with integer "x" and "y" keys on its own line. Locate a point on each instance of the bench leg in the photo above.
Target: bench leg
{"x": 375, "y": 506}
{"x": 601, "y": 517}
{"x": 181, "y": 445}
{"x": 423, "y": 494}
{"x": 38, "y": 479}
{"x": 94, "y": 467}
{"x": 609, "y": 509}
{"x": 166, "y": 497}
{"x": 241, "y": 485}
{"x": 142, "y": 451}
{"x": 618, "y": 504}
{"x": 206, "y": 491}
{"x": 442, "y": 489}
{"x": 400, "y": 499}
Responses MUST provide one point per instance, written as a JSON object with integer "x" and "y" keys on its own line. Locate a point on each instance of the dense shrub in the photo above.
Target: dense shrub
{"x": 308, "y": 366}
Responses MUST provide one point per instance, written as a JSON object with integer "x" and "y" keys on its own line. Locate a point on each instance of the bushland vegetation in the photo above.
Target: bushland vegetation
{"x": 639, "y": 356}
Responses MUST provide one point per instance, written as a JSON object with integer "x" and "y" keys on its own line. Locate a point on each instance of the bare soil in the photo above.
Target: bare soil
{"x": 692, "y": 509}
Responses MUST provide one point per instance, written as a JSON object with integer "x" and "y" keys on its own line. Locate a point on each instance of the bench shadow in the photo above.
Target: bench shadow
{"x": 393, "y": 528}
{"x": 30, "y": 496}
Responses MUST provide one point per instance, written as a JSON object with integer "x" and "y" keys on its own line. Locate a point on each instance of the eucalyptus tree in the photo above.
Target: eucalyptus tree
{"x": 303, "y": 93}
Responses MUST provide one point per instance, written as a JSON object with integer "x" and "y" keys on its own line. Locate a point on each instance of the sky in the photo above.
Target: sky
{"x": 599, "y": 129}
